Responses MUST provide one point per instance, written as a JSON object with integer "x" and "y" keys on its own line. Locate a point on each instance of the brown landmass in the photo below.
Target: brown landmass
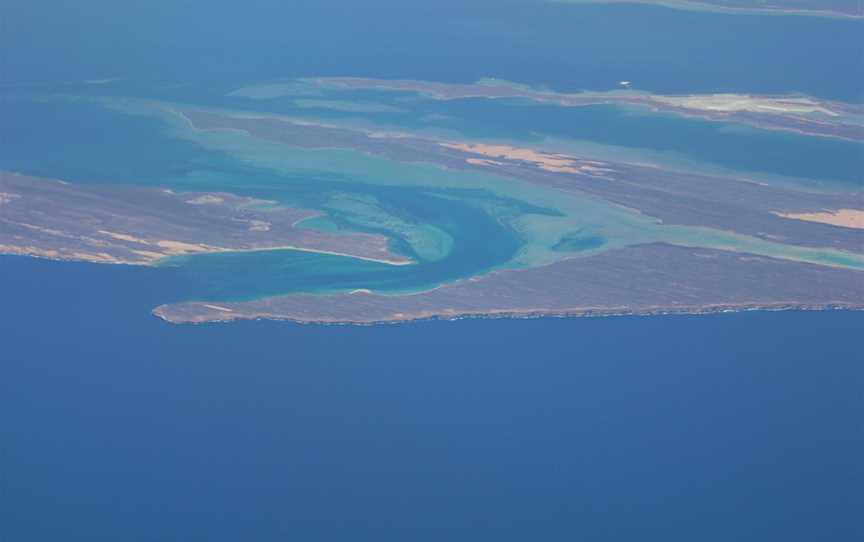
{"x": 789, "y": 113}
{"x": 137, "y": 225}
{"x": 647, "y": 279}
{"x": 847, "y": 218}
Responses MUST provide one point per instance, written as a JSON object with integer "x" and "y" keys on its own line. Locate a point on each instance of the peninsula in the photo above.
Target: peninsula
{"x": 124, "y": 224}
{"x": 647, "y": 279}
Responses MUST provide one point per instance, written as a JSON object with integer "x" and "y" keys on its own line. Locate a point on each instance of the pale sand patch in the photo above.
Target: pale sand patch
{"x": 847, "y": 218}
{"x": 482, "y": 162}
{"x": 259, "y": 225}
{"x": 51, "y": 254}
{"x": 92, "y": 241}
{"x": 559, "y": 169}
{"x": 6, "y": 197}
{"x": 596, "y": 170}
{"x": 95, "y": 257}
{"x": 205, "y": 200}
{"x": 49, "y": 231}
{"x": 511, "y": 153}
{"x": 406, "y": 261}
{"x": 558, "y": 163}
{"x": 742, "y": 102}
{"x": 217, "y": 308}
{"x": 124, "y": 237}
{"x": 178, "y": 247}
{"x": 149, "y": 255}
{"x": 28, "y": 251}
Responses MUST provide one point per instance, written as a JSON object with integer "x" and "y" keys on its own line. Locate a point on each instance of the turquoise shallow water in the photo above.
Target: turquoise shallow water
{"x": 480, "y": 244}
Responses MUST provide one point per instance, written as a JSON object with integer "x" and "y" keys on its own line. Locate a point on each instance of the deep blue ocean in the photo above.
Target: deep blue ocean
{"x": 118, "y": 426}
{"x": 115, "y": 425}
{"x": 206, "y": 44}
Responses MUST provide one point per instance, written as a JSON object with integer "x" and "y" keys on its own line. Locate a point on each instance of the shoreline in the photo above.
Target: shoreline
{"x": 522, "y": 315}
{"x": 690, "y": 5}
{"x": 160, "y": 262}
{"x": 145, "y": 225}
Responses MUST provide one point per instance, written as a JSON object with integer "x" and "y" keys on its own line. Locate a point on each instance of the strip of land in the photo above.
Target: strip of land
{"x": 140, "y": 226}
{"x": 798, "y": 114}
{"x": 646, "y": 279}
{"x": 819, "y": 8}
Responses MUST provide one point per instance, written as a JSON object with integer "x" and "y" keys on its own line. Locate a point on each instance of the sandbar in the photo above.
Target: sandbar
{"x": 846, "y": 218}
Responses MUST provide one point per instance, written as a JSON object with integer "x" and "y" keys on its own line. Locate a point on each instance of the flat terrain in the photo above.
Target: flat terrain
{"x": 644, "y": 279}
{"x": 136, "y": 225}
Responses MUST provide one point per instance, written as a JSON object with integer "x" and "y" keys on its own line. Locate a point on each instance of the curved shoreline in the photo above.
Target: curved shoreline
{"x": 139, "y": 225}
{"x": 644, "y": 279}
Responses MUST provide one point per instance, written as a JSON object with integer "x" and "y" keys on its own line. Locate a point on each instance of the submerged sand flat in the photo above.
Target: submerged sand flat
{"x": 847, "y": 218}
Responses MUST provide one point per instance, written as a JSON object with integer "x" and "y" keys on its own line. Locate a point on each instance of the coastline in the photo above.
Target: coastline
{"x": 690, "y": 5}
{"x": 141, "y": 225}
{"x": 646, "y": 279}
{"x": 527, "y": 314}
{"x": 161, "y": 260}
